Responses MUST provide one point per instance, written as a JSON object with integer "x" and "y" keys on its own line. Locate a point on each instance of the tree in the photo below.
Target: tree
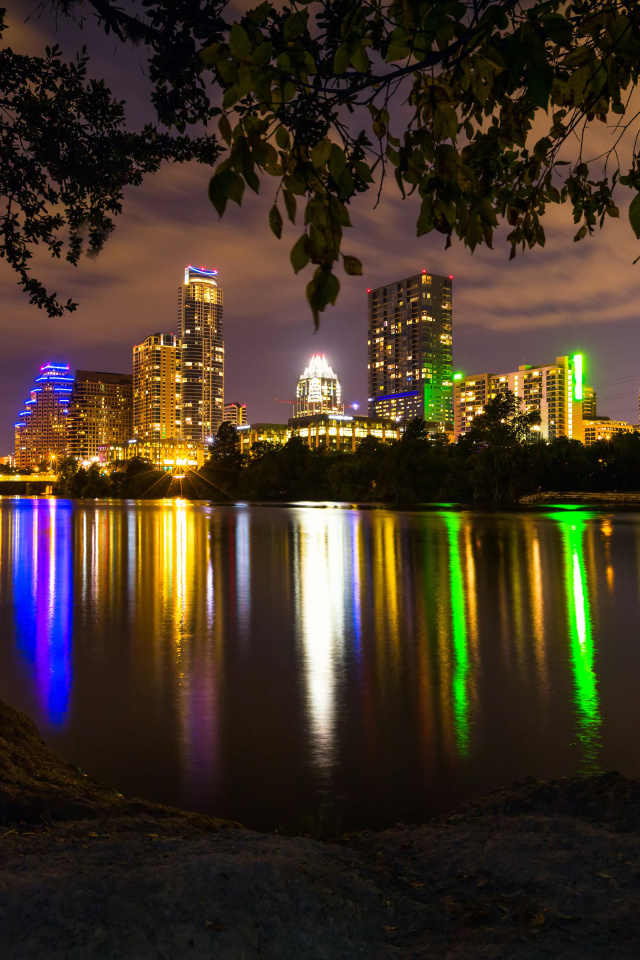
{"x": 304, "y": 91}
{"x": 498, "y": 443}
{"x": 65, "y": 159}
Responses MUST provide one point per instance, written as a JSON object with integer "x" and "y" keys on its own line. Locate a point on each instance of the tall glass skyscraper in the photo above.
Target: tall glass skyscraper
{"x": 200, "y": 329}
{"x": 409, "y": 349}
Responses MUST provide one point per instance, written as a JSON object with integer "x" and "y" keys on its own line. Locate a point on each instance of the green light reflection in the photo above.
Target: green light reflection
{"x": 587, "y": 701}
{"x": 459, "y": 680}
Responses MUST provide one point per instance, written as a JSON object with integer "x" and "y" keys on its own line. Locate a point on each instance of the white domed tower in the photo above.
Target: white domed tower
{"x": 318, "y": 390}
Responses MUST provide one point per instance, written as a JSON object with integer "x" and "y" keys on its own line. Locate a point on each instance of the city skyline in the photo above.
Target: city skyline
{"x": 505, "y": 315}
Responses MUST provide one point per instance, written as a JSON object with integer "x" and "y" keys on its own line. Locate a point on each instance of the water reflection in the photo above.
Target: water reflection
{"x": 460, "y": 678}
{"x": 322, "y": 542}
{"x": 573, "y": 529}
{"x": 42, "y": 587}
{"x": 259, "y": 662}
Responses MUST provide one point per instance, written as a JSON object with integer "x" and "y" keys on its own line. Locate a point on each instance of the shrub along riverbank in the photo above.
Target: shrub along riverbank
{"x": 499, "y": 461}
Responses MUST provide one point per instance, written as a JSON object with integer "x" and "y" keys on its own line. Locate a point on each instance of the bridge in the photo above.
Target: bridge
{"x": 15, "y": 483}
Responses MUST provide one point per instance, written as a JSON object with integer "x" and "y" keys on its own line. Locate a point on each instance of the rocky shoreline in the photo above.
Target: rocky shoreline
{"x": 540, "y": 870}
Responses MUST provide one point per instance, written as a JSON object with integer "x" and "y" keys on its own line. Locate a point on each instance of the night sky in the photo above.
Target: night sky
{"x": 563, "y": 299}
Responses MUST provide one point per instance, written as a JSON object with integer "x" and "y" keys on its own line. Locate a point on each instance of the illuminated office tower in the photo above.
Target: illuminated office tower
{"x": 157, "y": 366}
{"x": 100, "y": 412}
{"x": 553, "y": 390}
{"x": 318, "y": 390}
{"x": 409, "y": 355}
{"x": 200, "y": 327}
{"x": 41, "y": 433}
{"x": 235, "y": 413}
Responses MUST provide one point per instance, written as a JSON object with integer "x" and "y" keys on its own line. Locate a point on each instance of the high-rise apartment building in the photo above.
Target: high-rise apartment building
{"x": 100, "y": 412}
{"x": 318, "y": 390}
{"x": 157, "y": 376}
{"x": 235, "y": 413}
{"x": 553, "y": 390}
{"x": 589, "y": 403}
{"x": 41, "y": 433}
{"x": 410, "y": 342}
{"x": 200, "y": 328}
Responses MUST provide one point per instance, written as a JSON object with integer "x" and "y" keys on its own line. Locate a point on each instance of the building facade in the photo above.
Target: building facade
{"x": 603, "y": 428}
{"x": 331, "y": 431}
{"x": 322, "y": 431}
{"x": 235, "y": 413}
{"x": 318, "y": 390}
{"x": 157, "y": 383}
{"x": 272, "y": 433}
{"x": 41, "y": 432}
{"x": 589, "y": 403}
{"x": 100, "y": 411}
{"x": 170, "y": 454}
{"x": 553, "y": 390}
{"x": 200, "y": 327}
{"x": 409, "y": 349}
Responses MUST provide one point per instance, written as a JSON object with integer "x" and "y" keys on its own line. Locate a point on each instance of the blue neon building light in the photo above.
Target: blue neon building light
{"x": 396, "y": 396}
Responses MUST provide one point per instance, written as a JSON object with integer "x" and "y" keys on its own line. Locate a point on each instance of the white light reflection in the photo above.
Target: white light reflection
{"x": 243, "y": 581}
{"x": 322, "y": 547}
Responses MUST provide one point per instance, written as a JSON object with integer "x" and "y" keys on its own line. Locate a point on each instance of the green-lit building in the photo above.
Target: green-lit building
{"x": 409, "y": 349}
{"x": 555, "y": 391}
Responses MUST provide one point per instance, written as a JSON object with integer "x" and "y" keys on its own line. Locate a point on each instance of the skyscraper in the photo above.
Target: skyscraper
{"x": 157, "y": 366}
{"x": 410, "y": 349}
{"x": 100, "y": 412}
{"x": 41, "y": 433}
{"x": 200, "y": 328}
{"x": 318, "y": 389}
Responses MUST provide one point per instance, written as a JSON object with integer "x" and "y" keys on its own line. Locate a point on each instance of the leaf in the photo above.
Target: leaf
{"x": 299, "y": 255}
{"x": 337, "y": 161}
{"x": 634, "y": 215}
{"x": 398, "y": 50}
{"x": 341, "y": 59}
{"x": 262, "y": 54}
{"x": 230, "y": 98}
{"x": 239, "y": 42}
{"x": 275, "y": 221}
{"x": 352, "y": 266}
{"x": 223, "y": 186}
{"x": 360, "y": 60}
{"x": 445, "y": 122}
{"x": 290, "y": 204}
{"x": 295, "y": 25}
{"x": 320, "y": 153}
{"x": 282, "y": 138}
{"x": 209, "y": 54}
{"x": 225, "y": 129}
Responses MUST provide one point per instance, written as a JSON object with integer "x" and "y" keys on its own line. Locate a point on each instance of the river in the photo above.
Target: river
{"x": 283, "y": 665}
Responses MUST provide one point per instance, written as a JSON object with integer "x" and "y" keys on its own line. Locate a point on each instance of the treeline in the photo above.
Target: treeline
{"x": 499, "y": 460}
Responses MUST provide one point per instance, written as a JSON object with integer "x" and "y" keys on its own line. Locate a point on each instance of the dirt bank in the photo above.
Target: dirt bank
{"x": 542, "y": 870}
